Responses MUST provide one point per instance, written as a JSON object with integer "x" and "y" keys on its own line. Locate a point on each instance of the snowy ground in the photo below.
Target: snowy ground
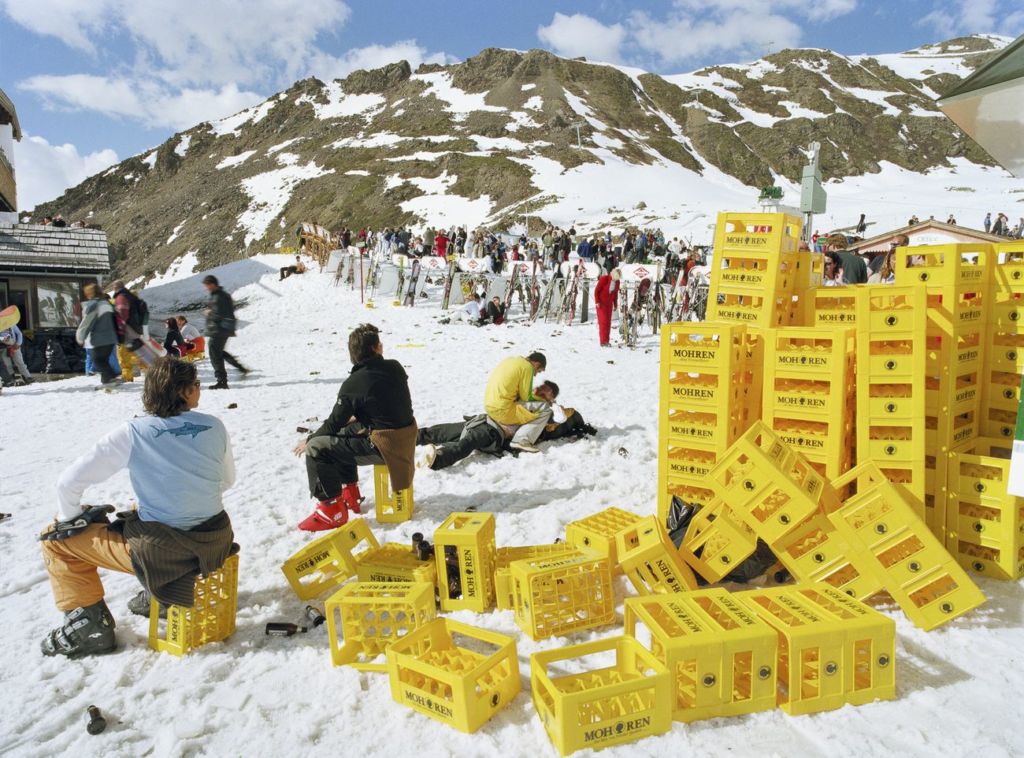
{"x": 958, "y": 687}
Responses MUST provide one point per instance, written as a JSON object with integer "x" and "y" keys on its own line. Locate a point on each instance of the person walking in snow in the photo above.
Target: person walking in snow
{"x": 98, "y": 328}
{"x": 510, "y": 401}
{"x": 220, "y": 326}
{"x": 180, "y": 464}
{"x": 376, "y": 395}
{"x": 606, "y": 297}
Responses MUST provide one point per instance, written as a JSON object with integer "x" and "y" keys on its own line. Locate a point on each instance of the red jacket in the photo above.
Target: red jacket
{"x": 605, "y": 294}
{"x": 441, "y": 245}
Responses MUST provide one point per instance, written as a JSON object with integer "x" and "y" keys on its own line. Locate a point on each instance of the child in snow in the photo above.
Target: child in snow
{"x": 376, "y": 394}
{"x": 180, "y": 463}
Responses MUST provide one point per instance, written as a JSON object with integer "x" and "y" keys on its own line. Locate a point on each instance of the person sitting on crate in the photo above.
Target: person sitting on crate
{"x": 445, "y": 445}
{"x": 376, "y": 394}
{"x": 510, "y": 401}
{"x": 180, "y": 464}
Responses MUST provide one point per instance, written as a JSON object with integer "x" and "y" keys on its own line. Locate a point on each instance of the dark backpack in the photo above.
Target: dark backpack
{"x": 138, "y": 312}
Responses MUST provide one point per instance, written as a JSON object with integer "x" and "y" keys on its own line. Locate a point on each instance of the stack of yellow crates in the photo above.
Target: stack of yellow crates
{"x": 1004, "y": 359}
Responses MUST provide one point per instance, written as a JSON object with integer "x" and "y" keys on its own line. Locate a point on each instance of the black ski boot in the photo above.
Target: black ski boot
{"x": 139, "y": 605}
{"x": 86, "y": 631}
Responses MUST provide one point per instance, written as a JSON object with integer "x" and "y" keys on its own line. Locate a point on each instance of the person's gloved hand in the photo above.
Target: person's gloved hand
{"x": 61, "y": 530}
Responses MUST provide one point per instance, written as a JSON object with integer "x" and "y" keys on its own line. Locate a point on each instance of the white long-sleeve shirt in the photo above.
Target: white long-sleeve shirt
{"x": 179, "y": 467}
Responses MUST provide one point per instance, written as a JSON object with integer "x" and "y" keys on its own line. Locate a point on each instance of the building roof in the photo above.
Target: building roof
{"x": 37, "y": 248}
{"x": 989, "y": 106}
{"x": 7, "y": 108}
{"x": 881, "y": 241}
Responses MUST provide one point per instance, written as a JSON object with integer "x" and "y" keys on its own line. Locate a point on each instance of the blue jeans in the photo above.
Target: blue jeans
{"x": 90, "y": 368}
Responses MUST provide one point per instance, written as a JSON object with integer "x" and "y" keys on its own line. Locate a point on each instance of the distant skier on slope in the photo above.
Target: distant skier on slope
{"x": 376, "y": 394}
{"x": 180, "y": 463}
{"x": 510, "y": 401}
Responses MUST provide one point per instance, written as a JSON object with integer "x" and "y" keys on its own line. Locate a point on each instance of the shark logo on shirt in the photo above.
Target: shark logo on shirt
{"x": 187, "y": 429}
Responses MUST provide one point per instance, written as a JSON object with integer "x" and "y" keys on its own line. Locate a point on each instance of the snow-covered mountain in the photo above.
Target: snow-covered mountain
{"x": 508, "y": 137}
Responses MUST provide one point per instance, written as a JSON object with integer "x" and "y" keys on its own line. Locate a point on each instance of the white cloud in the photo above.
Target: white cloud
{"x": 149, "y": 101}
{"x": 44, "y": 171}
{"x": 955, "y": 18}
{"x": 691, "y": 29}
{"x": 581, "y": 35}
{"x": 328, "y": 67}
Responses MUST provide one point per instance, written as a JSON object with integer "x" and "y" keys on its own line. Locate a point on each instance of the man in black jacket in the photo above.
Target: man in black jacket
{"x": 376, "y": 395}
{"x": 220, "y": 325}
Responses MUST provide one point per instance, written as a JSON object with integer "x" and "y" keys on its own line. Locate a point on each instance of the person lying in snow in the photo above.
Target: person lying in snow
{"x": 375, "y": 394}
{"x": 447, "y": 444}
{"x": 180, "y": 463}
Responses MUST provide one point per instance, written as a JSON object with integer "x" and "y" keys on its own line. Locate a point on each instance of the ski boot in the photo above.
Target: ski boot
{"x": 139, "y": 605}
{"x": 351, "y": 497}
{"x": 86, "y": 631}
{"x": 328, "y": 514}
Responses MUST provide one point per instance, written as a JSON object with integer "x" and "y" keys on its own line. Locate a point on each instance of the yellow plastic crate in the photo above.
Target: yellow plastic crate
{"x": 562, "y": 594}
{"x": 984, "y": 524}
{"x": 685, "y": 491}
{"x": 464, "y": 550}
{"x": 769, "y": 485}
{"x": 394, "y": 562}
{"x": 503, "y": 557}
{"x": 720, "y": 655}
{"x": 833, "y": 649}
{"x": 716, "y": 541}
{"x": 440, "y": 671}
{"x": 701, "y": 429}
{"x": 650, "y": 560}
{"x": 753, "y": 310}
{"x": 597, "y": 532}
{"x": 1008, "y": 266}
{"x": 597, "y": 708}
{"x": 1005, "y": 352}
{"x": 902, "y": 552}
{"x": 392, "y": 507}
{"x": 705, "y": 346}
{"x": 684, "y": 472}
{"x": 960, "y": 265}
{"x": 210, "y": 619}
{"x": 835, "y": 306}
{"x": 754, "y": 273}
{"x": 798, "y": 352}
{"x": 764, "y": 233}
{"x": 328, "y": 560}
{"x": 816, "y": 552}
{"x": 1003, "y": 390}
{"x": 365, "y": 618}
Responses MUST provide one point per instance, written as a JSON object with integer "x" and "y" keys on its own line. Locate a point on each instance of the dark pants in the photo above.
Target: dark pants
{"x": 332, "y": 462}
{"x": 455, "y": 442}
{"x": 287, "y": 271}
{"x": 215, "y": 346}
{"x": 101, "y": 359}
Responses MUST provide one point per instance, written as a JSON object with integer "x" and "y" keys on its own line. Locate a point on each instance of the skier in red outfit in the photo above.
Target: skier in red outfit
{"x": 606, "y": 296}
{"x": 441, "y": 245}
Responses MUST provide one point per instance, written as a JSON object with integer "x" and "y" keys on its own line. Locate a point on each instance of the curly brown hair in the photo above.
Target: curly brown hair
{"x": 166, "y": 382}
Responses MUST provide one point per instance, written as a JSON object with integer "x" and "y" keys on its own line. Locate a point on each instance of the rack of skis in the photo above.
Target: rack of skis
{"x": 647, "y": 296}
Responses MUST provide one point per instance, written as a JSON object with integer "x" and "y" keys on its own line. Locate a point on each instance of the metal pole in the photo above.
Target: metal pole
{"x": 361, "y": 288}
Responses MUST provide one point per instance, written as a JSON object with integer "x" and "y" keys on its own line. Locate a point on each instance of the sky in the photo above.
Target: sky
{"x": 96, "y": 81}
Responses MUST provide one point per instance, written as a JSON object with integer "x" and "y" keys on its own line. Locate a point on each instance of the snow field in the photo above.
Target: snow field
{"x": 958, "y": 687}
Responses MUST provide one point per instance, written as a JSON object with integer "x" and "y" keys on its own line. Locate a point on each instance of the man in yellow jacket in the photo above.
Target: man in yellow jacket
{"x": 509, "y": 400}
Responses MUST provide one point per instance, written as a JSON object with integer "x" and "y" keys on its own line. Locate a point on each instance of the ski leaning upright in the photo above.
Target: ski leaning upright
{"x": 572, "y": 291}
{"x": 414, "y": 277}
{"x": 453, "y": 266}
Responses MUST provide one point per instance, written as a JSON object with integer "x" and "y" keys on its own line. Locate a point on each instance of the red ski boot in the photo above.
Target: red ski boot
{"x": 351, "y": 498}
{"x": 328, "y": 514}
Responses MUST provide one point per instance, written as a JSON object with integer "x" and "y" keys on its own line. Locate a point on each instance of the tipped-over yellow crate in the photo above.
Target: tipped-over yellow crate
{"x": 597, "y": 532}
{"x": 329, "y": 560}
{"x": 650, "y": 560}
{"x": 912, "y": 565}
{"x": 210, "y": 619}
{"x": 503, "y": 557}
{"x": 716, "y": 542}
{"x": 394, "y": 562}
{"x": 464, "y": 551}
{"x": 439, "y": 671}
{"x": 720, "y": 655}
{"x": 625, "y": 700}
{"x": 391, "y": 506}
{"x": 562, "y": 594}
{"x": 833, "y": 649}
{"x": 365, "y": 618}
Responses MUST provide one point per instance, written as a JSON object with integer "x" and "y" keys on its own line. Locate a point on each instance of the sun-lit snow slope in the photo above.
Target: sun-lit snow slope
{"x": 958, "y": 687}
